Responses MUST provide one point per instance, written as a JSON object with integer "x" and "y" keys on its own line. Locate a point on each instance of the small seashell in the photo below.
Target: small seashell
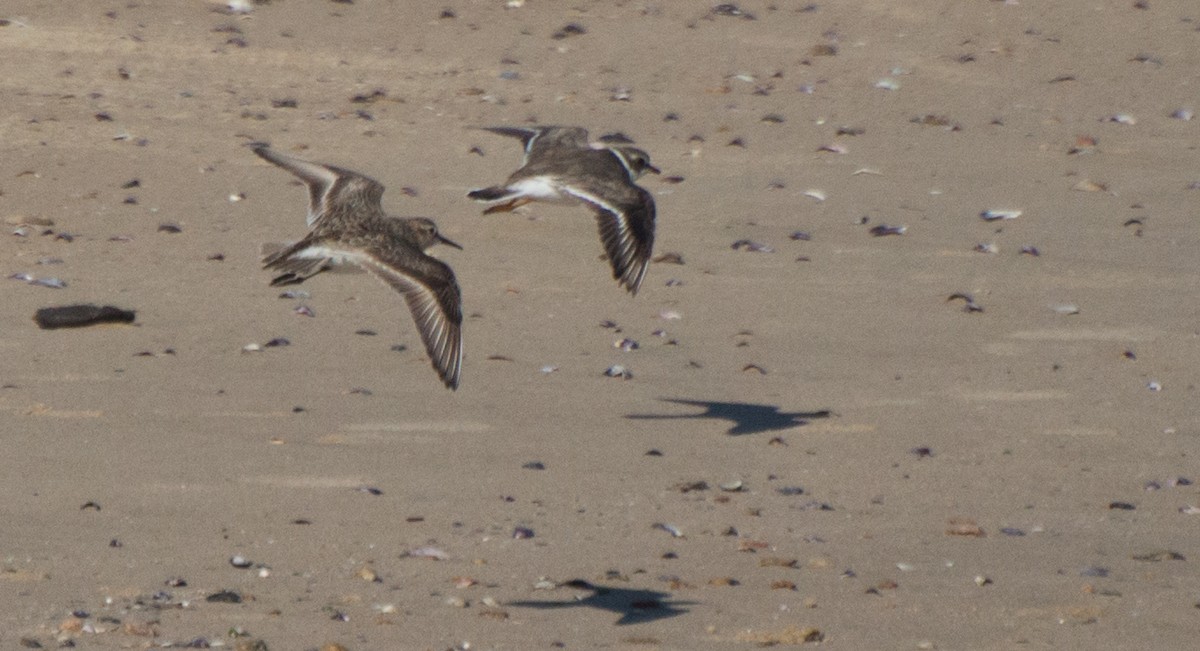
{"x": 1084, "y": 144}
{"x": 304, "y": 310}
{"x": 986, "y": 248}
{"x": 456, "y": 602}
{"x": 882, "y": 230}
{"x": 732, "y": 486}
{"x": 53, "y": 283}
{"x": 240, "y": 562}
{"x": 733, "y": 11}
{"x": 1065, "y": 308}
{"x": 549, "y": 368}
{"x": 670, "y": 315}
{"x": 935, "y": 120}
{"x": 521, "y": 533}
{"x": 234, "y": 6}
{"x": 621, "y": 94}
{"x": 887, "y": 84}
{"x": 971, "y": 305}
{"x": 834, "y": 148}
{"x": 981, "y": 580}
{"x": 251, "y": 348}
{"x": 999, "y": 213}
{"x": 1191, "y": 509}
{"x": 819, "y": 195}
{"x": 236, "y": 197}
{"x": 964, "y": 527}
{"x": 1153, "y": 385}
{"x": 432, "y": 553}
{"x": 669, "y": 528}
{"x": 1183, "y": 114}
{"x": 752, "y": 246}
{"x": 626, "y": 345}
{"x": 616, "y": 370}
{"x": 1120, "y": 118}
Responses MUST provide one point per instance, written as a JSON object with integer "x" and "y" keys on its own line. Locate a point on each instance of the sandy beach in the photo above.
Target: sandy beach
{"x": 916, "y": 367}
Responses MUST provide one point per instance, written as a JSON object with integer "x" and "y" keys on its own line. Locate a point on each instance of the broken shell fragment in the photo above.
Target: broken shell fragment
{"x": 616, "y": 370}
{"x": 669, "y": 528}
{"x": 626, "y": 345}
{"x": 752, "y": 246}
{"x": 995, "y": 214}
{"x": 882, "y": 230}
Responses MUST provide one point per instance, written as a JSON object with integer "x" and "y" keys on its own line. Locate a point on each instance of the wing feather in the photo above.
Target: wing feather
{"x": 435, "y": 301}
{"x": 626, "y": 230}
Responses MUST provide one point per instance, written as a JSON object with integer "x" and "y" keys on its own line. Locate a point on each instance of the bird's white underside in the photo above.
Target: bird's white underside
{"x": 334, "y": 256}
{"x": 543, "y": 188}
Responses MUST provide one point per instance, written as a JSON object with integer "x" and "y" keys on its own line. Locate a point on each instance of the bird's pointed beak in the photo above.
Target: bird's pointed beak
{"x": 449, "y": 242}
{"x": 653, "y": 169}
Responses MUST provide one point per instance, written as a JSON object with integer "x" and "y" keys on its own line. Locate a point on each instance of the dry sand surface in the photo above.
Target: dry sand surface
{"x": 1024, "y": 476}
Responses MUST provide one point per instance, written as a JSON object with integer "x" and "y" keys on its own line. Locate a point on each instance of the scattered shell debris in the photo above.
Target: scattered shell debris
{"x": 969, "y": 304}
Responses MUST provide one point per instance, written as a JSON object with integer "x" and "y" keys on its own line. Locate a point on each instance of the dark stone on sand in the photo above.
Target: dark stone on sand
{"x": 224, "y": 597}
{"x": 78, "y": 316}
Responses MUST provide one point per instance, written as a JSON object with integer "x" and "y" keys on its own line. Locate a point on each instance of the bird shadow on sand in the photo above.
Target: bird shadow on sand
{"x": 747, "y": 418}
{"x": 634, "y": 606}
